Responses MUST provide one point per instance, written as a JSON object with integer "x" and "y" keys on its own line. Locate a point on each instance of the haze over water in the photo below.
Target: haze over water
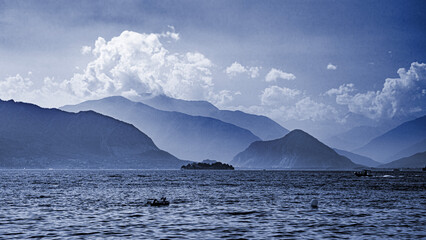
{"x": 72, "y": 204}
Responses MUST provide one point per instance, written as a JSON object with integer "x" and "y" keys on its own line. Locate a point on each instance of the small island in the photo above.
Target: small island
{"x": 207, "y": 165}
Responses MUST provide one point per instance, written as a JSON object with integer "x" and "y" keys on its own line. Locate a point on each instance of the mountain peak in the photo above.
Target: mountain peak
{"x": 299, "y": 137}
{"x": 9, "y": 101}
{"x": 296, "y": 150}
{"x": 298, "y": 133}
{"x": 116, "y": 99}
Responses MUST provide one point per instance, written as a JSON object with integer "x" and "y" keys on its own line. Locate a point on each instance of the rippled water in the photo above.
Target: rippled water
{"x": 211, "y": 204}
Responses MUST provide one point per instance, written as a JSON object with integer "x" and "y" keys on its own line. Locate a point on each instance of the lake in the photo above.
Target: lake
{"x": 109, "y": 204}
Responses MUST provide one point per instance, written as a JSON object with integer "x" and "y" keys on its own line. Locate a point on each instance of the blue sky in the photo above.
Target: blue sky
{"x": 362, "y": 42}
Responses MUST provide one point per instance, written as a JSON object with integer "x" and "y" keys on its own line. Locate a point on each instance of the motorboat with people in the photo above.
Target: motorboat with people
{"x": 364, "y": 173}
{"x": 158, "y": 203}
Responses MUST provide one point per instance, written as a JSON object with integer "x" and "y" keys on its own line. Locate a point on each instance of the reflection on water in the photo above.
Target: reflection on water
{"x": 211, "y": 204}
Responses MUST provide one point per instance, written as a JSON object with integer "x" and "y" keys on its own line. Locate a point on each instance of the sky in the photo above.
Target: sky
{"x": 323, "y": 66}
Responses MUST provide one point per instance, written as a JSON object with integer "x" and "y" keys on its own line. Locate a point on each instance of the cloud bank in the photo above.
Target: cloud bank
{"x": 399, "y": 96}
{"x": 22, "y": 88}
{"x": 127, "y": 65}
{"x": 134, "y": 63}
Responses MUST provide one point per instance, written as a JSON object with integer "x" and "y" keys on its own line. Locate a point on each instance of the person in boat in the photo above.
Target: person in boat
{"x": 155, "y": 202}
{"x": 364, "y": 172}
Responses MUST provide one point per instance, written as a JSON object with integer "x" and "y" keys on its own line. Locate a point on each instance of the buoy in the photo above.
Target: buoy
{"x": 314, "y": 203}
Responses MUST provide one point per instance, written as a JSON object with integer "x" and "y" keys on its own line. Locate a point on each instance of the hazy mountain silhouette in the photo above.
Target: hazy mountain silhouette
{"x": 296, "y": 150}
{"x": 411, "y": 150}
{"x": 34, "y": 137}
{"x": 417, "y": 160}
{"x": 354, "y": 138}
{"x": 261, "y": 126}
{"x": 358, "y": 159}
{"x": 165, "y": 103}
{"x": 185, "y": 136}
{"x": 404, "y": 136}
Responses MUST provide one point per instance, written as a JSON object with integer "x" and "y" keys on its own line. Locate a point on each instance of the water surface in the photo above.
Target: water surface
{"x": 105, "y": 204}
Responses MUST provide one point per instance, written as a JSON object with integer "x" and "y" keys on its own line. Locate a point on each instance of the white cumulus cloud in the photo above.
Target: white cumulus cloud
{"x": 237, "y": 68}
{"x": 399, "y": 96}
{"x": 275, "y": 95}
{"x": 275, "y": 74}
{"x": 133, "y": 63}
{"x": 86, "y": 50}
{"x": 308, "y": 109}
{"x": 22, "y": 88}
{"x": 285, "y": 104}
{"x": 331, "y": 67}
{"x": 14, "y": 86}
{"x": 254, "y": 71}
{"x": 128, "y": 65}
{"x": 343, "y": 89}
{"x": 222, "y": 98}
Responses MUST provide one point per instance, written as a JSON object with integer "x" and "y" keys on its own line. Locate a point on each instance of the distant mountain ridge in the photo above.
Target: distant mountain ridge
{"x": 261, "y": 126}
{"x": 386, "y": 146}
{"x": 296, "y": 150}
{"x": 186, "y": 136}
{"x": 165, "y": 103}
{"x": 417, "y": 160}
{"x": 354, "y": 138}
{"x": 358, "y": 159}
{"x": 411, "y": 150}
{"x": 34, "y": 137}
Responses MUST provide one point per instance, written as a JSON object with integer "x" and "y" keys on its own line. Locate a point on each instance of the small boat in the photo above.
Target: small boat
{"x": 364, "y": 173}
{"x": 155, "y": 203}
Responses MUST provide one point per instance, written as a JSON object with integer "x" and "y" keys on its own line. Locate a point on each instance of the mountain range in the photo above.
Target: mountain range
{"x": 261, "y": 126}
{"x": 401, "y": 141}
{"x": 186, "y": 136}
{"x": 296, "y": 150}
{"x": 100, "y": 134}
{"x": 354, "y": 138}
{"x": 34, "y": 137}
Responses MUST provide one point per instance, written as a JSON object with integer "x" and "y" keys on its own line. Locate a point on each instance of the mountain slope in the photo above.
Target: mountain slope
{"x": 396, "y": 140}
{"x": 354, "y": 138}
{"x": 261, "y": 126}
{"x": 411, "y": 150}
{"x": 415, "y": 161}
{"x": 296, "y": 150}
{"x": 358, "y": 159}
{"x": 187, "y": 137}
{"x": 34, "y": 137}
